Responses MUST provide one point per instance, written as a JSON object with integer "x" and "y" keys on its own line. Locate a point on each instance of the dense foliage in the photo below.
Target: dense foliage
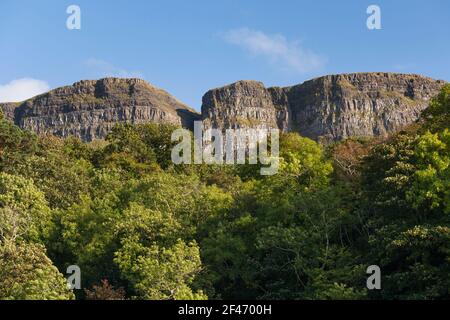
{"x": 140, "y": 227}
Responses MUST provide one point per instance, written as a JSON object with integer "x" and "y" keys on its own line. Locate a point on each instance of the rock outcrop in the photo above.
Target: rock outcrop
{"x": 241, "y": 104}
{"x": 89, "y": 109}
{"x": 328, "y": 108}
{"x": 8, "y": 109}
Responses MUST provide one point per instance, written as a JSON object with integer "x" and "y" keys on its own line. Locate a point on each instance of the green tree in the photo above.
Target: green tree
{"x": 406, "y": 204}
{"x": 437, "y": 115}
{"x": 159, "y": 273}
{"x": 15, "y": 144}
{"x": 61, "y": 178}
{"x": 127, "y": 151}
{"x": 26, "y": 273}
{"x": 23, "y": 209}
{"x": 286, "y": 236}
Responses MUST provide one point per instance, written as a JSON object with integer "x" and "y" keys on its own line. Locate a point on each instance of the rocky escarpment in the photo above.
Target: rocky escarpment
{"x": 328, "y": 108}
{"x": 89, "y": 109}
{"x": 241, "y": 104}
{"x": 8, "y": 109}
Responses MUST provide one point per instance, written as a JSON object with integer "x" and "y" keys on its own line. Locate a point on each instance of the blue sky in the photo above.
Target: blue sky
{"x": 188, "y": 47}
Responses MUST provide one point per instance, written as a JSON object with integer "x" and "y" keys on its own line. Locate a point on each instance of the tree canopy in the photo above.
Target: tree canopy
{"x": 140, "y": 227}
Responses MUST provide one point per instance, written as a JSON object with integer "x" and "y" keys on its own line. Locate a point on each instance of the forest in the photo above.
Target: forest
{"x": 140, "y": 227}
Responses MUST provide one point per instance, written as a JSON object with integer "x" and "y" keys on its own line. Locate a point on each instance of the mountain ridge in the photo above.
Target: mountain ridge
{"x": 328, "y": 108}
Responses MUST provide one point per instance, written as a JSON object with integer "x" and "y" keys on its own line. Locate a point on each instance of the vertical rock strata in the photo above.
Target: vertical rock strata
{"x": 328, "y": 108}
{"x": 89, "y": 109}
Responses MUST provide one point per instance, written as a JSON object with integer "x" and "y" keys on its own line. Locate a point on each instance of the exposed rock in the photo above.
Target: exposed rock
{"x": 241, "y": 104}
{"x": 8, "y": 109}
{"x": 326, "y": 108}
{"x": 89, "y": 109}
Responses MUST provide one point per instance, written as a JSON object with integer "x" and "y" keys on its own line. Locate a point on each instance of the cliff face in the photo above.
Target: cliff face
{"x": 8, "y": 109}
{"x": 89, "y": 109}
{"x": 327, "y": 108}
{"x": 241, "y": 104}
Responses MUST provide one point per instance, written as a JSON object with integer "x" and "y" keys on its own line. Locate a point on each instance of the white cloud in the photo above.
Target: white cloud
{"x": 101, "y": 68}
{"x": 22, "y": 89}
{"x": 286, "y": 54}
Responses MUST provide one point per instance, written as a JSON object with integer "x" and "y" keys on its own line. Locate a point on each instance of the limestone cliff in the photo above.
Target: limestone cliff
{"x": 328, "y": 108}
{"x": 89, "y": 109}
{"x": 241, "y": 104}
